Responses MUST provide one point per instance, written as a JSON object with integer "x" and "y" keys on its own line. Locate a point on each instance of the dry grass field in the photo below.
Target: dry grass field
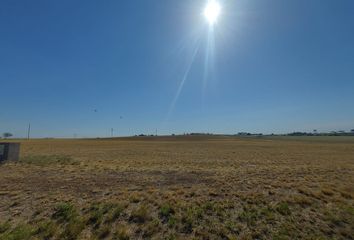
{"x": 180, "y": 188}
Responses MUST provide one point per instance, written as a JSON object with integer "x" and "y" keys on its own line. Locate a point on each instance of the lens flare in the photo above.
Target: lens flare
{"x": 212, "y": 11}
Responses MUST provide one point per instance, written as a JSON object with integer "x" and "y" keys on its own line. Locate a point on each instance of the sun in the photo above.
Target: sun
{"x": 212, "y": 11}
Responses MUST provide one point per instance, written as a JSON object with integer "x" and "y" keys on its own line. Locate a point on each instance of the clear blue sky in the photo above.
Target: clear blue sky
{"x": 275, "y": 66}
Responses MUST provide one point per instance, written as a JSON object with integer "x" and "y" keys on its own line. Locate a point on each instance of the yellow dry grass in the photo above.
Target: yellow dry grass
{"x": 199, "y": 187}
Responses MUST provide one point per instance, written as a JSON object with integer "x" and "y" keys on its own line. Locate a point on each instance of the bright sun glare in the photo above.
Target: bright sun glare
{"x": 212, "y": 11}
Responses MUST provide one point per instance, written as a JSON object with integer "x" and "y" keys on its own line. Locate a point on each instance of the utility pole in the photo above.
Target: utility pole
{"x": 28, "y": 131}
{"x": 156, "y": 132}
{"x": 112, "y": 132}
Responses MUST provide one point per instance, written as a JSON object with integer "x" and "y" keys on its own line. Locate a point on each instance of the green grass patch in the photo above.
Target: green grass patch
{"x": 4, "y": 227}
{"x": 64, "y": 212}
{"x": 283, "y": 209}
{"x": 46, "y": 230}
{"x": 116, "y": 212}
{"x": 20, "y": 232}
{"x": 96, "y": 213}
{"x": 166, "y": 211}
{"x": 73, "y": 229}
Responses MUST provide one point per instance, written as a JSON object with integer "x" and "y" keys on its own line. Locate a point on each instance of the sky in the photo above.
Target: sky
{"x": 79, "y": 68}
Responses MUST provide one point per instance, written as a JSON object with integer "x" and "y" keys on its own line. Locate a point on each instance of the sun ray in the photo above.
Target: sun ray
{"x": 184, "y": 78}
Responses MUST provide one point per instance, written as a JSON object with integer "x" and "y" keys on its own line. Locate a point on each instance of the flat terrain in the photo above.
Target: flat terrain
{"x": 180, "y": 188}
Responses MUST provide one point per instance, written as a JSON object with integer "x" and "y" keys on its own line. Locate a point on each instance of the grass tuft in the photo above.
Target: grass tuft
{"x": 140, "y": 214}
{"x": 283, "y": 209}
{"x": 64, "y": 212}
{"x": 20, "y": 232}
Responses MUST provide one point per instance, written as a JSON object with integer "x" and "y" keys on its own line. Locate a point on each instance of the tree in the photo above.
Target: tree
{"x": 352, "y": 130}
{"x": 7, "y": 135}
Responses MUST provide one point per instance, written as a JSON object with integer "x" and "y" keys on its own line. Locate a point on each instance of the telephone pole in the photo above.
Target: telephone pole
{"x": 112, "y": 132}
{"x": 28, "y": 131}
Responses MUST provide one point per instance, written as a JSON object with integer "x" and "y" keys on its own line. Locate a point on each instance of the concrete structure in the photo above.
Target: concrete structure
{"x": 9, "y": 151}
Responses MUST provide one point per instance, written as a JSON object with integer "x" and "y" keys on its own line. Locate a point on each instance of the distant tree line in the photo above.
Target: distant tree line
{"x": 315, "y": 133}
{"x": 7, "y": 135}
{"x": 249, "y": 134}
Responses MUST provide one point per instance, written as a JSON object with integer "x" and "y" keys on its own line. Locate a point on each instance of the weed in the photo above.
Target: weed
{"x": 249, "y": 215}
{"x": 46, "y": 230}
{"x": 284, "y": 232}
{"x": 73, "y": 229}
{"x": 151, "y": 228}
{"x": 171, "y": 237}
{"x": 103, "y": 232}
{"x": 121, "y": 234}
{"x": 301, "y": 200}
{"x": 172, "y": 222}
{"x": 166, "y": 211}
{"x": 140, "y": 214}
{"x": 95, "y": 215}
{"x": 64, "y": 212}
{"x": 134, "y": 198}
{"x": 283, "y": 208}
{"x": 4, "y": 227}
{"x": 208, "y": 206}
{"x": 268, "y": 213}
{"x": 327, "y": 192}
{"x": 191, "y": 216}
{"x": 20, "y": 232}
{"x": 115, "y": 214}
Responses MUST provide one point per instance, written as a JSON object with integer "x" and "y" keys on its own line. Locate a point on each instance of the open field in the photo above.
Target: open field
{"x": 180, "y": 188}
